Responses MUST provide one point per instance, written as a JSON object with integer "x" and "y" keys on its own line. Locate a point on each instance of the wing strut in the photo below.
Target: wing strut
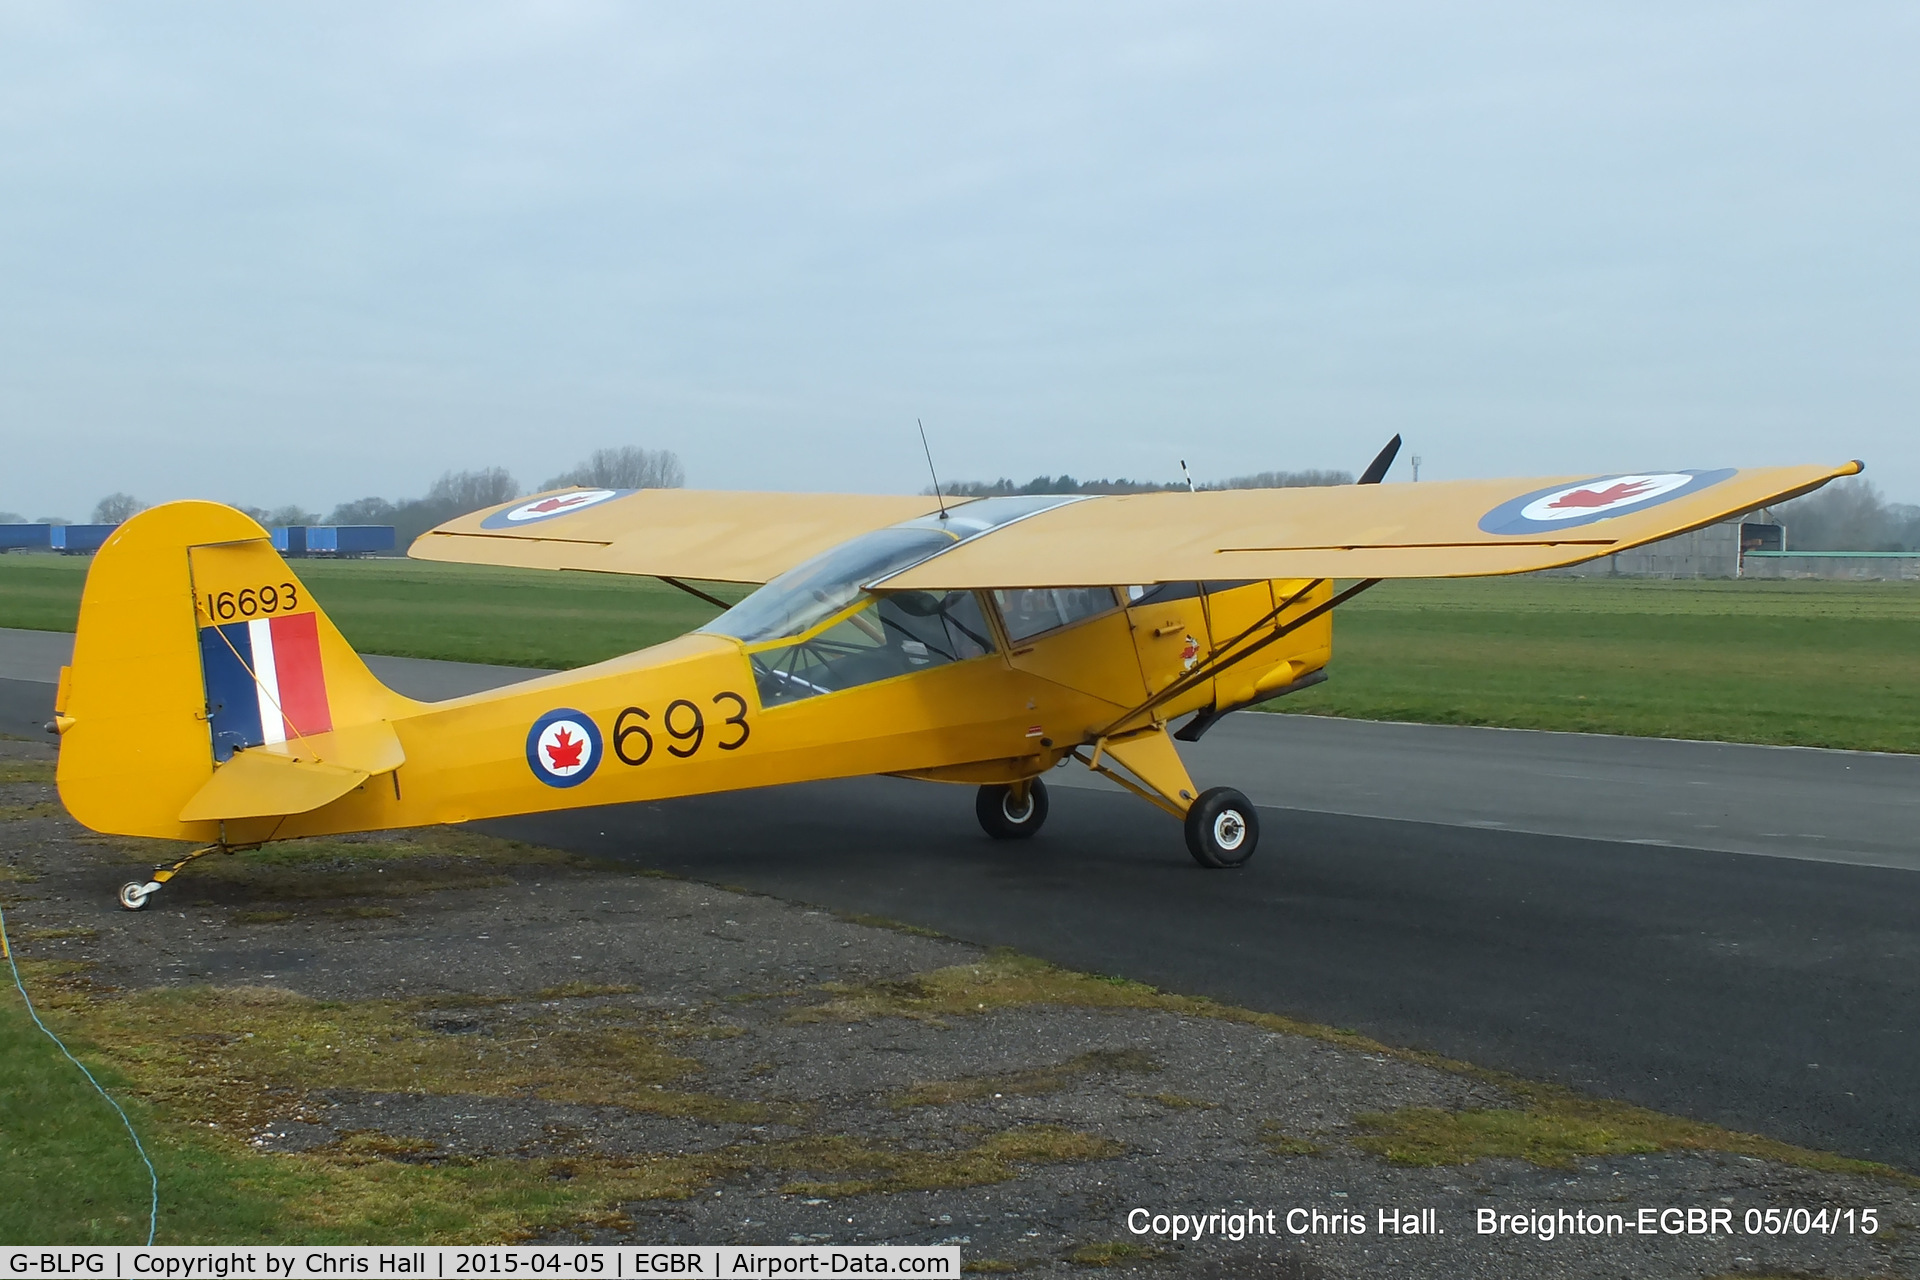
{"x": 1223, "y": 657}
{"x": 716, "y": 601}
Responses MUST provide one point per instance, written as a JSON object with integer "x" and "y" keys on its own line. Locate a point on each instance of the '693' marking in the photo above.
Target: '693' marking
{"x": 685, "y": 726}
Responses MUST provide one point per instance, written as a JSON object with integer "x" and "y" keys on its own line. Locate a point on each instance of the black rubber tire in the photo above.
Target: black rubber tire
{"x": 999, "y": 817}
{"x": 1223, "y": 829}
{"x": 134, "y": 895}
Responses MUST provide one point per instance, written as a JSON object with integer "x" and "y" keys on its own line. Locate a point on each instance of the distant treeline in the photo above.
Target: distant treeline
{"x": 454, "y": 494}
{"x": 1004, "y": 488}
{"x": 458, "y": 492}
{"x": 1849, "y": 515}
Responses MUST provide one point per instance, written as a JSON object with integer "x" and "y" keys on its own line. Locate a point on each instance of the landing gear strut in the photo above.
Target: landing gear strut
{"x": 135, "y": 894}
{"x": 1012, "y": 811}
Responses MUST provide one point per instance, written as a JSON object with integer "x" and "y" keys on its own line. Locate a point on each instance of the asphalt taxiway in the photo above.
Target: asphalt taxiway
{"x": 1728, "y": 932}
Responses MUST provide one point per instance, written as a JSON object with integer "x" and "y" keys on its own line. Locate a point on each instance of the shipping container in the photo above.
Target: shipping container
{"x": 333, "y": 540}
{"x": 77, "y": 539}
{"x": 19, "y": 536}
{"x": 361, "y": 539}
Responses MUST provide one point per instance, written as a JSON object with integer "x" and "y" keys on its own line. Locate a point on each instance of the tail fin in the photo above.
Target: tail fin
{"x": 198, "y": 643}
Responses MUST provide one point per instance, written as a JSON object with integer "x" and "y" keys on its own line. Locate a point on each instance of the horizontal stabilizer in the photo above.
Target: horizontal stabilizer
{"x": 259, "y": 784}
{"x": 297, "y": 776}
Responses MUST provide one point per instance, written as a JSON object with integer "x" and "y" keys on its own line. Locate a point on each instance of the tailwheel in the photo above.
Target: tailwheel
{"x": 134, "y": 894}
{"x": 1222, "y": 828}
{"x": 1012, "y": 811}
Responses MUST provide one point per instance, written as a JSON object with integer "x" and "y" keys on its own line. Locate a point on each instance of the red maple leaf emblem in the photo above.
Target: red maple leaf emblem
{"x": 1600, "y": 497}
{"x": 565, "y": 751}
{"x": 555, "y": 504}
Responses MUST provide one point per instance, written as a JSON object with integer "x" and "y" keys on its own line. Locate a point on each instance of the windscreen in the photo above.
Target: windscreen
{"x": 816, "y": 589}
{"x": 895, "y": 635}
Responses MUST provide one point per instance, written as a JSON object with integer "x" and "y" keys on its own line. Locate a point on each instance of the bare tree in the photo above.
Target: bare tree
{"x": 363, "y": 511}
{"x": 1848, "y": 515}
{"x": 289, "y": 515}
{"x": 463, "y": 491}
{"x": 628, "y": 467}
{"x": 116, "y": 507}
{"x": 455, "y": 493}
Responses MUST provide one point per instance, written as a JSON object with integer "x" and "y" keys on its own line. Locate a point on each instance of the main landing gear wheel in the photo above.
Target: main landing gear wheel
{"x": 1222, "y": 828}
{"x": 1006, "y": 815}
{"x": 134, "y": 893}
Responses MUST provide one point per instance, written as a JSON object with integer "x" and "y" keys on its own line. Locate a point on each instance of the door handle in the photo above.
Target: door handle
{"x": 1170, "y": 629}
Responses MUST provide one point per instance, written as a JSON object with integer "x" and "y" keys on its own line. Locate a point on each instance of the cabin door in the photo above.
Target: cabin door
{"x": 1170, "y": 634}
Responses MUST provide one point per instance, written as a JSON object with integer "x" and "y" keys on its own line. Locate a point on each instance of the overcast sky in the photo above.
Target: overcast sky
{"x": 303, "y": 253}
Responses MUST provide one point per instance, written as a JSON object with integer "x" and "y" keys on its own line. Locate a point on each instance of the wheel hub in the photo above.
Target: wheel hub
{"x": 1229, "y": 829}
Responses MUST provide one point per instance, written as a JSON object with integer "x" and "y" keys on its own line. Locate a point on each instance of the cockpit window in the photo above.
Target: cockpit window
{"x": 1028, "y": 612}
{"x": 1161, "y": 593}
{"x": 894, "y": 635}
{"x": 814, "y": 590}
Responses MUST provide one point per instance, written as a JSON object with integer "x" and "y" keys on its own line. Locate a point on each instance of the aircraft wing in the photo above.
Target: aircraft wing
{"x": 1453, "y": 529}
{"x": 675, "y": 533}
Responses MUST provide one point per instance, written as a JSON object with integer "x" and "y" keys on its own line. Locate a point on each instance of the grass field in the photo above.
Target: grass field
{"x": 1797, "y": 663}
{"x": 1832, "y": 664}
{"x": 77, "y": 1178}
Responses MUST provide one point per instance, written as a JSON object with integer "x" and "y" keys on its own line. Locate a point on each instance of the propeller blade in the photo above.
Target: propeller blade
{"x": 1377, "y": 469}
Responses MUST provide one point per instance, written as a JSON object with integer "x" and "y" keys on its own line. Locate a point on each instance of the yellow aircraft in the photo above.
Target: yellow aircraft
{"x": 979, "y": 642}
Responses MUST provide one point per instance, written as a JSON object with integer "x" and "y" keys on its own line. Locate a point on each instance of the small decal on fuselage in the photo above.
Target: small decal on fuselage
{"x": 563, "y": 747}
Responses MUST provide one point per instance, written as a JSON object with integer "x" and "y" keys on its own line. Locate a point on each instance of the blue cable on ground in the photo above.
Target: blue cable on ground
{"x": 153, "y": 1215}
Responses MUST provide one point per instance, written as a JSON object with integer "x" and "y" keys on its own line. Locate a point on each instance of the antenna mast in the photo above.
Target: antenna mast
{"x": 1188, "y": 476}
{"x": 937, "y": 496}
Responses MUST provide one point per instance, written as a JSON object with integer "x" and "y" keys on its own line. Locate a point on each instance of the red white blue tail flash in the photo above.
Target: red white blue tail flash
{"x": 264, "y": 682}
